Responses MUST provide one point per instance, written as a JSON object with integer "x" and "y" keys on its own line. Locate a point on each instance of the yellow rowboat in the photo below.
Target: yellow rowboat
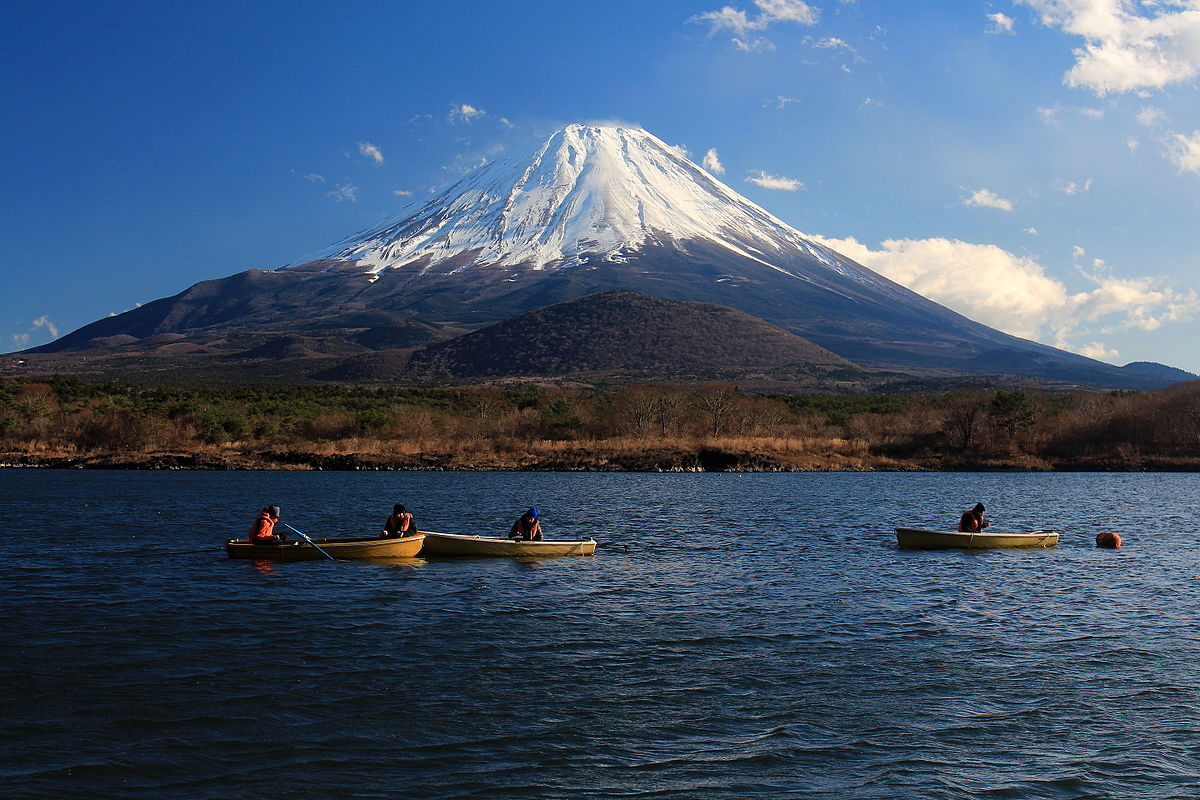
{"x": 935, "y": 540}
{"x": 454, "y": 544}
{"x": 363, "y": 547}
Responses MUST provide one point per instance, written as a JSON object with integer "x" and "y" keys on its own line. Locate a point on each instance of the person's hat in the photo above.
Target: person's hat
{"x": 273, "y": 511}
{"x": 533, "y": 512}
{"x": 979, "y": 507}
{"x": 399, "y": 509}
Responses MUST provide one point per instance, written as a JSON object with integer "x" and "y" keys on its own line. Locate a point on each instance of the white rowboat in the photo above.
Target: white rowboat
{"x": 455, "y": 544}
{"x": 935, "y": 540}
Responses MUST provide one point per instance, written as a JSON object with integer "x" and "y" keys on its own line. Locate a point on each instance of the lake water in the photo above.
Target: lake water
{"x": 736, "y": 636}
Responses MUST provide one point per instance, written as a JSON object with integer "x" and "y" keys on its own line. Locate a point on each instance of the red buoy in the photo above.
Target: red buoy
{"x": 1108, "y": 539}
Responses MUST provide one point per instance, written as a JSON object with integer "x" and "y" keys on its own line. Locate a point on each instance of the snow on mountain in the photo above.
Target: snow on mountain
{"x": 589, "y": 191}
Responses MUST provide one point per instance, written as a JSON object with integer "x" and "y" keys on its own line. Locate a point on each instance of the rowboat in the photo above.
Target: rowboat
{"x": 934, "y": 540}
{"x": 455, "y": 544}
{"x": 361, "y": 547}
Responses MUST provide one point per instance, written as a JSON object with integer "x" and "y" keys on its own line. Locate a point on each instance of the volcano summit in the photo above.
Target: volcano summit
{"x": 592, "y": 209}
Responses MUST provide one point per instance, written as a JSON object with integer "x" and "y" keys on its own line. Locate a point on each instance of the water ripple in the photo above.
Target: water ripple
{"x": 736, "y": 636}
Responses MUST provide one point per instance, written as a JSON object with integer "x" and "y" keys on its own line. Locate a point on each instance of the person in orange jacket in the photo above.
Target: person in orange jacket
{"x": 401, "y": 523}
{"x": 262, "y": 530}
{"x": 972, "y": 520}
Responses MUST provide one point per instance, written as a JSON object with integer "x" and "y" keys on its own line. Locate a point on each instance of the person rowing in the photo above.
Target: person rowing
{"x": 527, "y": 526}
{"x": 972, "y": 520}
{"x": 401, "y": 523}
{"x": 262, "y": 530}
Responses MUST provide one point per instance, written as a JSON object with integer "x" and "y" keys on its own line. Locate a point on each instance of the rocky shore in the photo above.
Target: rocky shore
{"x": 586, "y": 459}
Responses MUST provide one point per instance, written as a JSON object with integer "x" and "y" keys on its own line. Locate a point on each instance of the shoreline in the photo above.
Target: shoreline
{"x": 583, "y": 460}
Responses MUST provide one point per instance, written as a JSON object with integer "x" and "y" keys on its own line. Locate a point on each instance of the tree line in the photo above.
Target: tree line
{"x": 69, "y": 415}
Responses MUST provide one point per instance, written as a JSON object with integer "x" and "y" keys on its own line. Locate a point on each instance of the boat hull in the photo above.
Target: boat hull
{"x": 922, "y": 539}
{"x": 406, "y": 547}
{"x": 453, "y": 544}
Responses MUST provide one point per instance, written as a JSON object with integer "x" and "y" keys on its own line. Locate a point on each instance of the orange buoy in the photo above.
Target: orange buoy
{"x": 1108, "y": 539}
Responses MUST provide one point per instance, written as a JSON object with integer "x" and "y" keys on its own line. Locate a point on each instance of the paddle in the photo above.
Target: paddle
{"x": 304, "y": 536}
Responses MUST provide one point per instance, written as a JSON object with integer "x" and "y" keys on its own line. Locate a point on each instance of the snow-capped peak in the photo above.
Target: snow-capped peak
{"x": 589, "y": 191}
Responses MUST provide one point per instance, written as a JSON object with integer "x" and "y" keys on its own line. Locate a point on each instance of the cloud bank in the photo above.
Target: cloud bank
{"x": 1128, "y": 46}
{"x": 1014, "y": 294}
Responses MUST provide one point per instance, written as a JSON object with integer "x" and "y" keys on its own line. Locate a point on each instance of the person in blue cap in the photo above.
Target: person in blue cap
{"x": 527, "y": 526}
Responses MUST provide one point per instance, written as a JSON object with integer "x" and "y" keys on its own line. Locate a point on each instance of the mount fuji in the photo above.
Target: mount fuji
{"x": 593, "y": 208}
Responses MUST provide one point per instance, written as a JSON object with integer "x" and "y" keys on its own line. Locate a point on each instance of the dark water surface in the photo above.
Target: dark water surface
{"x": 748, "y": 636}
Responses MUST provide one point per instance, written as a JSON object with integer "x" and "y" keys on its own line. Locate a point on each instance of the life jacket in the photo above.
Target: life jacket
{"x": 262, "y": 528}
{"x": 400, "y": 523}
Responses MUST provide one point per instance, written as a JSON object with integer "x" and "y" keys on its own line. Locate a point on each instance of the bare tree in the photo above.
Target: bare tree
{"x": 963, "y": 411}
{"x": 716, "y": 400}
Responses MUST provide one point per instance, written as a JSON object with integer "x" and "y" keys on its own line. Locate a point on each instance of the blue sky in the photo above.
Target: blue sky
{"x": 1034, "y": 164}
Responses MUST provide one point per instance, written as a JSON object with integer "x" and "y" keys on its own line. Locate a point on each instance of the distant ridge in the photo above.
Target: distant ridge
{"x": 1160, "y": 372}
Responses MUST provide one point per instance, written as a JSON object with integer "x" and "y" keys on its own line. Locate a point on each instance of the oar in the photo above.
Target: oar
{"x": 310, "y": 541}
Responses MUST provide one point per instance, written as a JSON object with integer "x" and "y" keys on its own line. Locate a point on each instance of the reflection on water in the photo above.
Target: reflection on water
{"x": 734, "y": 636}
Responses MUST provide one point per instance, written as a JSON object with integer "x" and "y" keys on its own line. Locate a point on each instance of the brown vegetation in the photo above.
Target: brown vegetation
{"x": 66, "y": 422}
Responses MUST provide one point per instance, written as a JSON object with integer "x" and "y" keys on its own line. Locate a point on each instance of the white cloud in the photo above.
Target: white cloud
{"x": 313, "y": 177}
{"x": 1072, "y": 188}
{"x": 1014, "y": 294}
{"x": 741, "y": 24}
{"x": 712, "y": 162}
{"x": 1052, "y": 115}
{"x": 1078, "y": 252}
{"x": 1032, "y": 231}
{"x": 347, "y": 192}
{"x": 402, "y": 192}
{"x": 1128, "y": 46}
{"x": 465, "y": 114}
{"x": 758, "y": 45}
{"x": 760, "y": 178}
{"x": 832, "y": 43}
{"x": 1184, "y": 151}
{"x": 1098, "y": 351}
{"x": 780, "y": 102}
{"x": 22, "y": 340}
{"x": 44, "y": 322}
{"x": 1049, "y": 115}
{"x": 1000, "y": 23}
{"x": 1132, "y": 143}
{"x": 788, "y": 11}
{"x": 370, "y": 151}
{"x": 1151, "y": 116}
{"x": 986, "y": 198}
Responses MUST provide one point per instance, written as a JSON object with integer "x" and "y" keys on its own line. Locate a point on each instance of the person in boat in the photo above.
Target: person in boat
{"x": 401, "y": 523}
{"x": 972, "y": 520}
{"x": 527, "y": 526}
{"x": 262, "y": 530}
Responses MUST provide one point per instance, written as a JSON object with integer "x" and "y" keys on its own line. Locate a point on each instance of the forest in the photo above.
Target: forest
{"x": 69, "y": 422}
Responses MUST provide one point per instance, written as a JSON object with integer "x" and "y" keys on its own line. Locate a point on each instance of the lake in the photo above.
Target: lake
{"x": 735, "y": 636}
